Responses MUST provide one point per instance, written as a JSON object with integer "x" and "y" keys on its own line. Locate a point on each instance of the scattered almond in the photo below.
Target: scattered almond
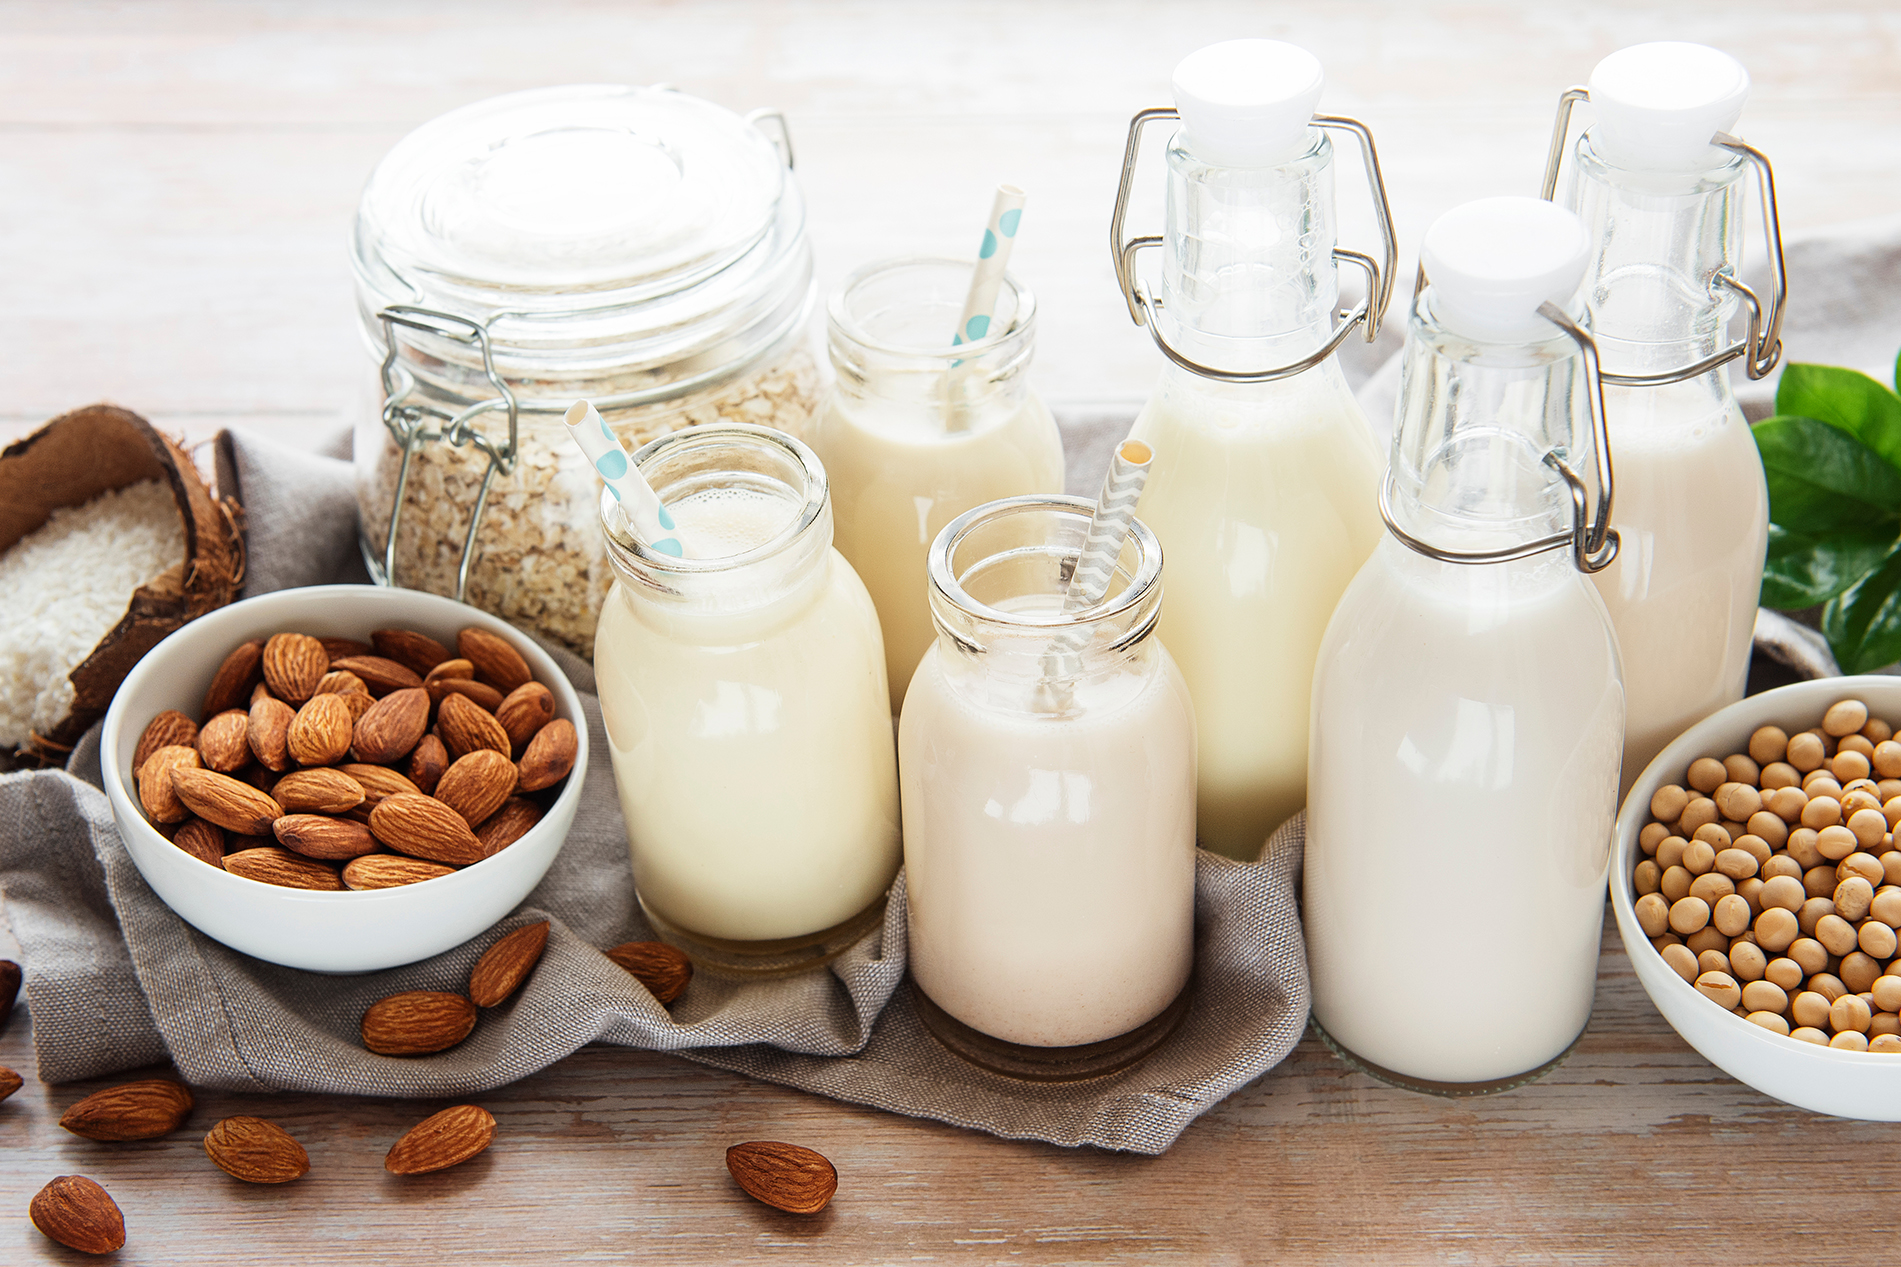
{"x": 319, "y": 791}
{"x": 465, "y": 727}
{"x": 10, "y": 977}
{"x": 76, "y": 1212}
{"x": 156, "y": 791}
{"x": 505, "y": 965}
{"x": 390, "y": 729}
{"x": 341, "y": 682}
{"x": 507, "y": 825}
{"x": 550, "y": 755}
{"x": 381, "y": 675}
{"x": 327, "y": 839}
{"x": 256, "y": 1151}
{"x": 485, "y": 697}
{"x": 496, "y": 661}
{"x": 145, "y": 1109}
{"x": 271, "y": 864}
{"x": 416, "y": 652}
{"x": 476, "y": 785}
{"x": 231, "y": 684}
{"x": 203, "y": 841}
{"x": 389, "y": 871}
{"x": 417, "y": 1023}
{"x": 427, "y": 763}
{"x": 230, "y": 803}
{"x": 268, "y": 733}
{"x": 660, "y": 967}
{"x": 293, "y": 664}
{"x": 170, "y": 729}
{"x": 9, "y": 1082}
{"x": 424, "y": 827}
{"x": 527, "y": 709}
{"x": 442, "y": 1140}
{"x": 784, "y": 1176}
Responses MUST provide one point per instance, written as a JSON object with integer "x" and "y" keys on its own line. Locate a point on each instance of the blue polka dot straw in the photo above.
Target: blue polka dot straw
{"x": 993, "y": 256}
{"x": 649, "y": 519}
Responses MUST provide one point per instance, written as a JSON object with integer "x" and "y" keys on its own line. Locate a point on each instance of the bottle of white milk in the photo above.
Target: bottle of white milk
{"x": 744, "y": 694}
{"x": 1263, "y": 490}
{"x": 1048, "y": 769}
{"x": 1468, "y": 709}
{"x": 1665, "y": 211}
{"x": 916, "y": 432}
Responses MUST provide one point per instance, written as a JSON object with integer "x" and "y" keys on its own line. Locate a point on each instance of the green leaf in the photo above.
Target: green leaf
{"x": 1847, "y": 399}
{"x": 1863, "y": 626}
{"x": 1823, "y": 480}
{"x": 1805, "y": 571}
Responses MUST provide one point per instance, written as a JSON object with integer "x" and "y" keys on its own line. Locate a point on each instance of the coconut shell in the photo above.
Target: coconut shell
{"x": 68, "y": 462}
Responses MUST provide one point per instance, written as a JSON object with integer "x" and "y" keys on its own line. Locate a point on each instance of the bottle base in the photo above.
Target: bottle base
{"x": 1048, "y": 1064}
{"x": 1426, "y": 1086}
{"x": 779, "y": 957}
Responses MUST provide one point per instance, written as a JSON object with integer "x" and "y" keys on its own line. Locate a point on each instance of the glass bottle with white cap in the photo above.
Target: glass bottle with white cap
{"x": 1468, "y": 708}
{"x": 1660, "y": 185}
{"x": 1264, "y": 486}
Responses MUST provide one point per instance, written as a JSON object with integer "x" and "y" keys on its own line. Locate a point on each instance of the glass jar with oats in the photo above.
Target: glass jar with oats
{"x": 636, "y": 247}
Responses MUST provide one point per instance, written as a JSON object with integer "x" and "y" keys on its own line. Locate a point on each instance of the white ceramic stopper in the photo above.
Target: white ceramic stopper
{"x": 1492, "y": 262}
{"x": 1247, "y": 103}
{"x": 1657, "y": 105}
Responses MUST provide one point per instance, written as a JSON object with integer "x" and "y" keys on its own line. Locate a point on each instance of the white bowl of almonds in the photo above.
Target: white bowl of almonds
{"x": 344, "y": 778}
{"x": 1758, "y": 890}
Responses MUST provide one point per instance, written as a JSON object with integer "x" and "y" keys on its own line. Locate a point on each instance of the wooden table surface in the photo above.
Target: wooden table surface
{"x": 176, "y": 182}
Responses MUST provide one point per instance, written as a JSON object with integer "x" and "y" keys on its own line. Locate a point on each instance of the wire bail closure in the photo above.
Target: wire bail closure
{"x": 1761, "y": 348}
{"x": 1592, "y": 540}
{"x": 1368, "y": 313}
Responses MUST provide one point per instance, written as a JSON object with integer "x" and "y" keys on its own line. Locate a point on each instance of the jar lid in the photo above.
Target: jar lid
{"x": 592, "y": 227}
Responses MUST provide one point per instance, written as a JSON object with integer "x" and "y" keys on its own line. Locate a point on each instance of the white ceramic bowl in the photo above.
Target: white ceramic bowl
{"x": 1853, "y": 1084}
{"x": 324, "y": 932}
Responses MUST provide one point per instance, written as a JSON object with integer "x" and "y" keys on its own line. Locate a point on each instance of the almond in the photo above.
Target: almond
{"x": 507, "y": 825}
{"x": 321, "y": 732}
{"x": 203, "y": 841}
{"x": 505, "y": 965}
{"x": 377, "y": 781}
{"x": 391, "y": 727}
{"x": 326, "y": 839}
{"x": 549, "y": 756}
{"x": 485, "y": 696}
{"x": 414, "y": 651}
{"x": 442, "y": 1140}
{"x": 496, "y": 661}
{"x": 222, "y": 745}
{"x": 447, "y": 669}
{"x": 78, "y": 1213}
{"x": 358, "y": 702}
{"x": 465, "y": 727}
{"x": 417, "y": 1023}
{"x": 318, "y": 792}
{"x": 9, "y": 1082}
{"x": 427, "y": 763}
{"x": 145, "y": 1109}
{"x": 293, "y": 665}
{"x": 10, "y": 976}
{"x": 343, "y": 648}
{"x": 784, "y": 1176}
{"x": 341, "y": 682}
{"x": 269, "y": 864}
{"x": 260, "y": 777}
{"x": 379, "y": 674}
{"x": 526, "y": 710}
{"x": 389, "y": 871}
{"x": 268, "y": 732}
{"x": 424, "y": 827}
{"x": 476, "y": 785}
{"x": 170, "y": 729}
{"x": 231, "y": 684}
{"x": 230, "y": 803}
{"x": 256, "y": 1151}
{"x": 656, "y": 965}
{"x": 156, "y": 792}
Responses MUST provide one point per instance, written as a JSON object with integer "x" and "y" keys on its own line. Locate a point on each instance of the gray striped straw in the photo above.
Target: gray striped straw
{"x": 1109, "y": 526}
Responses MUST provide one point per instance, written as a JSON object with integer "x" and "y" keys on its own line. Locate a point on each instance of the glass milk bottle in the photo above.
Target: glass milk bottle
{"x": 1468, "y": 709}
{"x": 916, "y": 433}
{"x": 1660, "y": 187}
{"x": 1263, "y": 490}
{"x": 743, "y": 690}
{"x": 1048, "y": 767}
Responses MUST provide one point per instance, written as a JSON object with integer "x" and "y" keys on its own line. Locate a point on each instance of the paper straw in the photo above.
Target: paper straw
{"x": 999, "y": 236}
{"x": 1109, "y": 526}
{"x": 649, "y": 519}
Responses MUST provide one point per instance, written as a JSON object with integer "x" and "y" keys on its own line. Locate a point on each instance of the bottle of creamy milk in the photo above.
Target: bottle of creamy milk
{"x": 916, "y": 432}
{"x": 1664, "y": 207}
{"x": 744, "y": 694}
{"x": 1468, "y": 709}
{"x": 1048, "y": 770}
{"x": 1263, "y": 491}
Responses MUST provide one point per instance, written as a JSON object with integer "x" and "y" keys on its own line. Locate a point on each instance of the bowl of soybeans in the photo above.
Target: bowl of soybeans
{"x": 1758, "y": 890}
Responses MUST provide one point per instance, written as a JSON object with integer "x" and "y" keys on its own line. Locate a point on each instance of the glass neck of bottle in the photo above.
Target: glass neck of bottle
{"x": 1659, "y": 241}
{"x": 1248, "y": 276}
{"x": 1475, "y": 423}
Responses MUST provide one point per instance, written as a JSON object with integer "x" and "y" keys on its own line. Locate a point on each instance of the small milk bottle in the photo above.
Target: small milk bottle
{"x": 1660, "y": 187}
{"x": 744, "y": 695}
{"x": 1468, "y": 710}
{"x": 1048, "y": 769}
{"x": 1264, "y": 488}
{"x": 916, "y": 432}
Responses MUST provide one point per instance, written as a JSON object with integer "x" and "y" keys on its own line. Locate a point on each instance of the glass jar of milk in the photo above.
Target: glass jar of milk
{"x": 915, "y": 432}
{"x": 743, "y": 690}
{"x": 1264, "y": 485}
{"x": 1468, "y": 710}
{"x": 1048, "y": 767}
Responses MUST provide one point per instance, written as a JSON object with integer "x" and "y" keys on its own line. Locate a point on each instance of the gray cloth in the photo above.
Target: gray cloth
{"x": 115, "y": 980}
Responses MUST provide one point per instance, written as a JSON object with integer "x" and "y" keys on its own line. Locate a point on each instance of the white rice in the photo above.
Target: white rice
{"x": 65, "y": 585}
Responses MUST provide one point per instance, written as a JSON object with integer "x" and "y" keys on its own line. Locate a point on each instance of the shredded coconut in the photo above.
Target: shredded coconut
{"x": 65, "y": 585}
